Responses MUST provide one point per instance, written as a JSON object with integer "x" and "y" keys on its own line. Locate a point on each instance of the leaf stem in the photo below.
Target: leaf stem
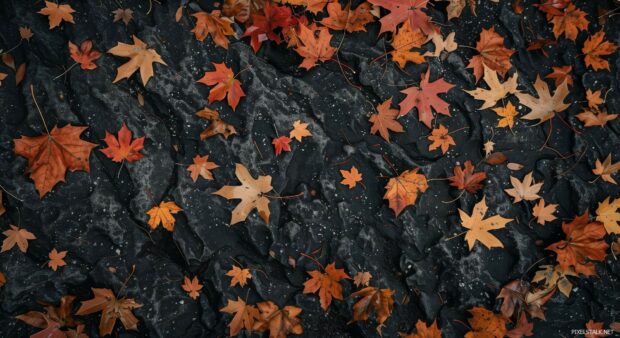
{"x": 39, "y": 109}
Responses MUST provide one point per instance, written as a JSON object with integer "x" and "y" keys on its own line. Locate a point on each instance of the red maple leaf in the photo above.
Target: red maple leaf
{"x": 281, "y": 144}
{"x": 123, "y": 148}
{"x": 401, "y": 10}
{"x": 425, "y": 97}
{"x": 225, "y": 84}
{"x": 467, "y": 179}
{"x": 84, "y": 55}
{"x": 264, "y": 26}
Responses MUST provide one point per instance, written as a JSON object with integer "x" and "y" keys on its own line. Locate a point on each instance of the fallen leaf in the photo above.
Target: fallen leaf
{"x": 401, "y": 10}
{"x": 239, "y": 276}
{"x": 123, "y": 148}
{"x": 350, "y": 177}
{"x": 455, "y": 8}
{"x": 561, "y": 74}
{"x": 84, "y": 55}
{"x": 569, "y": 23}
{"x": 300, "y": 130}
{"x": 479, "y": 227}
{"x": 555, "y": 276}
{"x": 141, "y": 57}
{"x": 16, "y": 235}
{"x": 594, "y": 48}
{"x": 241, "y": 9}
{"x": 56, "y": 259}
{"x": 425, "y": 98}
{"x": 123, "y": 14}
{"x": 280, "y": 144}
{"x": 350, "y": 20}
{"x": 607, "y": 213}
{"x": 544, "y": 213}
{"x": 497, "y": 91}
{"x": 316, "y": 6}
{"x": 25, "y": 33}
{"x": 379, "y": 301}
{"x": 245, "y": 316}
{"x": 385, "y": 120}
{"x": 584, "y": 243}
{"x": 493, "y": 54}
{"x": 466, "y": 179}
{"x": 488, "y": 147}
{"x": 111, "y": 309}
{"x": 522, "y": 328}
{"x": 54, "y": 319}
{"x": 162, "y": 214}
{"x": 327, "y": 283}
{"x": 212, "y": 23}
{"x": 2, "y": 209}
{"x": 192, "y": 287}
{"x": 606, "y": 169}
{"x": 595, "y": 329}
{"x": 440, "y": 139}
{"x": 485, "y": 323}
{"x": 496, "y": 158}
{"x": 507, "y": 115}
{"x": 217, "y": 126}
{"x": 279, "y": 322}
{"x": 524, "y": 190}
{"x": 594, "y": 98}
{"x": 545, "y": 106}
{"x": 251, "y": 192}
{"x": 591, "y": 118}
{"x": 405, "y": 40}
{"x": 201, "y": 167}
{"x": 513, "y": 297}
{"x": 51, "y": 155}
{"x": 441, "y": 45}
{"x": 362, "y": 278}
{"x": 57, "y": 13}
{"x": 265, "y": 27}
{"x": 553, "y": 7}
{"x": 225, "y": 84}
{"x": 313, "y": 47}
{"x": 402, "y": 191}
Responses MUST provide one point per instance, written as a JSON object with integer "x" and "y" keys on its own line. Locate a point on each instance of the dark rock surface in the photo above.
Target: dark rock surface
{"x": 100, "y": 218}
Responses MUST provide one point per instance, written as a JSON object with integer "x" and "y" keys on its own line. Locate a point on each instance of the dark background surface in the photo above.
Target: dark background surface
{"x": 100, "y": 218}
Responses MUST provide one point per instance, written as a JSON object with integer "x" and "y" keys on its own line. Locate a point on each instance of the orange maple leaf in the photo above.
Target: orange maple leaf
{"x": 280, "y": 144}
{"x": 225, "y": 85}
{"x": 380, "y": 301}
{"x": 569, "y": 23}
{"x": 606, "y": 169}
{"x": 351, "y": 20}
{"x": 426, "y": 98}
{"x": 140, "y": 58}
{"x": 162, "y": 214}
{"x": 245, "y": 316}
{"x": 493, "y": 54}
{"x": 279, "y": 322}
{"x": 192, "y": 287}
{"x": 57, "y": 13}
{"x": 350, "y": 177}
{"x": 440, "y": 139}
{"x": 485, "y": 323}
{"x": 56, "y": 259}
{"x": 594, "y": 48}
{"x": 314, "y": 48}
{"x": 85, "y": 55}
{"x": 362, "y": 278}
{"x": 300, "y": 130}
{"x": 123, "y": 148}
{"x": 405, "y": 40}
{"x": 111, "y": 309}
{"x": 201, "y": 167}
{"x": 466, "y": 179}
{"x": 401, "y": 10}
{"x": 424, "y": 331}
{"x": 18, "y": 236}
{"x": 51, "y": 155}
{"x": 544, "y": 213}
{"x": 239, "y": 276}
{"x": 326, "y": 283}
{"x": 385, "y": 120}
{"x": 561, "y": 74}
{"x": 215, "y": 24}
{"x": 402, "y": 191}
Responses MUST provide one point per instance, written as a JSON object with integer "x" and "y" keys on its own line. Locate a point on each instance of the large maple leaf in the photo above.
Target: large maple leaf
{"x": 385, "y": 120}
{"x": 279, "y": 322}
{"x": 379, "y": 301}
{"x": 111, "y": 309}
{"x": 569, "y": 23}
{"x": 214, "y": 24}
{"x": 314, "y": 48}
{"x": 594, "y": 48}
{"x": 326, "y": 283}
{"x": 492, "y": 54}
{"x": 244, "y": 316}
{"x": 401, "y": 10}
{"x": 57, "y": 13}
{"x": 425, "y": 98}
{"x": 479, "y": 226}
{"x": 466, "y": 179}
{"x": 251, "y": 192}
{"x": 584, "y": 243}
{"x": 225, "y": 84}
{"x": 546, "y": 105}
{"x": 141, "y": 57}
{"x": 403, "y": 190}
{"x": 51, "y": 155}
{"x": 264, "y": 26}
{"x": 123, "y": 148}
{"x": 404, "y": 41}
{"x": 497, "y": 91}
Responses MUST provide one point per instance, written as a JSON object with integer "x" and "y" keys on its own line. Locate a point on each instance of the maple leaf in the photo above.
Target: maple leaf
{"x": 492, "y": 54}
{"x": 201, "y": 167}
{"x": 314, "y": 48}
{"x": 570, "y": 22}
{"x": 2, "y": 279}
{"x": 522, "y": 328}
{"x": 362, "y": 278}
{"x": 584, "y": 243}
{"x": 402, "y": 191}
{"x": 280, "y": 144}
{"x": 192, "y": 287}
{"x": 594, "y": 48}
{"x": 524, "y": 190}
{"x": 555, "y": 276}
{"x": 466, "y": 179}
{"x": 595, "y": 118}
{"x": 300, "y": 130}
{"x": 264, "y": 26}
{"x": 594, "y": 98}
{"x": 251, "y": 192}
{"x": 111, "y": 309}
{"x": 225, "y": 85}
{"x": 54, "y": 319}
{"x": 279, "y": 322}
{"x": 425, "y": 98}
{"x": 241, "y": 9}
{"x": 440, "y": 138}
{"x": 424, "y": 331}
{"x": 595, "y": 330}
{"x": 479, "y": 227}
{"x": 239, "y": 276}
{"x": 217, "y": 126}
{"x": 212, "y": 23}
{"x": 544, "y": 213}
{"x": 606, "y": 169}
{"x": 385, "y": 120}
{"x": 84, "y": 55}
{"x": 56, "y": 259}
{"x": 403, "y": 42}
{"x": 545, "y": 106}
{"x": 561, "y": 74}
{"x": 123, "y": 148}
{"x": 162, "y": 214}
{"x": 18, "y": 236}
{"x": 124, "y": 15}
{"x": 607, "y": 213}
{"x": 553, "y": 7}
{"x": 508, "y": 114}
{"x": 57, "y": 13}
{"x": 25, "y": 33}
{"x": 380, "y": 301}
{"x": 441, "y": 45}
{"x": 51, "y": 155}
{"x": 327, "y": 283}
{"x": 485, "y": 323}
{"x": 497, "y": 91}
{"x": 245, "y": 316}
{"x": 455, "y": 8}
{"x": 141, "y": 57}
{"x": 350, "y": 177}
{"x": 316, "y": 6}
{"x": 513, "y": 296}
{"x": 401, "y": 10}
{"x": 347, "y": 19}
